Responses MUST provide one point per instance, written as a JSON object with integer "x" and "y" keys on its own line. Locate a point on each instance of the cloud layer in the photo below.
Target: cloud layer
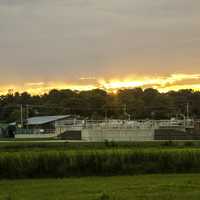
{"x": 63, "y": 40}
{"x": 161, "y": 83}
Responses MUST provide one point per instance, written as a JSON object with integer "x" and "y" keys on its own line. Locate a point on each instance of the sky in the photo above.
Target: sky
{"x": 84, "y": 44}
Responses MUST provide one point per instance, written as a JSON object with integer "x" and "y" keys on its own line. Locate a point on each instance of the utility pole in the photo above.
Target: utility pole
{"x": 27, "y": 115}
{"x": 187, "y": 114}
{"x": 187, "y": 111}
{"x": 106, "y": 114}
{"x": 21, "y": 115}
{"x": 27, "y": 111}
{"x": 125, "y": 112}
{"x": 125, "y": 108}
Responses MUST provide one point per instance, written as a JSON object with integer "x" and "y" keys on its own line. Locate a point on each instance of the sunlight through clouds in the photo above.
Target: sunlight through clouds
{"x": 162, "y": 83}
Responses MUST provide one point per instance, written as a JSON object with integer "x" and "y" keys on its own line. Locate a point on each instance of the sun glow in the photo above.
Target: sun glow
{"x": 161, "y": 83}
{"x": 41, "y": 88}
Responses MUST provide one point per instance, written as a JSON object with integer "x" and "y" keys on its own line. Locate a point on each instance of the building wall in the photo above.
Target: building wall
{"x": 99, "y": 135}
{"x": 171, "y": 134}
{"x": 71, "y": 135}
{"x": 34, "y": 136}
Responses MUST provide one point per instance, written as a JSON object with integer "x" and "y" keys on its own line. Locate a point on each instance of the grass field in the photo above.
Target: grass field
{"x": 53, "y": 160}
{"x": 71, "y": 163}
{"x": 145, "y": 187}
{"x": 41, "y": 145}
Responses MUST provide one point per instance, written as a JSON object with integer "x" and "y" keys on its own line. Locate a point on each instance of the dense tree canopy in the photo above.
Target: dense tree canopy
{"x": 98, "y": 104}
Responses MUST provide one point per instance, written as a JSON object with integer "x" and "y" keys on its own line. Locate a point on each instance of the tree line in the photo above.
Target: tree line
{"x": 98, "y": 104}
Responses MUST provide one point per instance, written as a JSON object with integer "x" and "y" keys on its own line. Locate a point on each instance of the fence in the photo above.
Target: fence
{"x": 98, "y": 130}
{"x": 139, "y": 124}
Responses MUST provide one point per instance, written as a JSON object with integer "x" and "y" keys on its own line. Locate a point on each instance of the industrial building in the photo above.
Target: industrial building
{"x": 44, "y": 126}
{"x": 73, "y": 128}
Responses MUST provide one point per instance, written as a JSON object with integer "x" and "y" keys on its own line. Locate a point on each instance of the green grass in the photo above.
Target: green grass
{"x": 52, "y": 160}
{"x": 67, "y": 163}
{"x": 148, "y": 187}
{"x": 21, "y": 145}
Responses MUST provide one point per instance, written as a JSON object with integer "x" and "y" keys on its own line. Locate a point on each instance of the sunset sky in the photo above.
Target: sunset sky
{"x": 111, "y": 44}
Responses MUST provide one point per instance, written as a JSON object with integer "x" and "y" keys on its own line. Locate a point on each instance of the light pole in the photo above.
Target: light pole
{"x": 21, "y": 115}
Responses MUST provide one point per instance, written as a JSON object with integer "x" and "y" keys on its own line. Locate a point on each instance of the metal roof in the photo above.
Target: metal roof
{"x": 45, "y": 119}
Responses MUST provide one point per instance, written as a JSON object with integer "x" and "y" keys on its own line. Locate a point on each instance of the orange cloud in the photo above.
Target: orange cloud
{"x": 162, "y": 83}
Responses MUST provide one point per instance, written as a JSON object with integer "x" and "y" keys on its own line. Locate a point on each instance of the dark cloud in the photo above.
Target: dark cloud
{"x": 51, "y": 40}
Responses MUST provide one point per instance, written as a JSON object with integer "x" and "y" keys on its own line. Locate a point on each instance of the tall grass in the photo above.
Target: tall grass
{"x": 102, "y": 162}
{"x": 31, "y": 145}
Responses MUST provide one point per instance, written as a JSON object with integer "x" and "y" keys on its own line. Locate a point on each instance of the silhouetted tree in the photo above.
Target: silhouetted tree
{"x": 98, "y": 104}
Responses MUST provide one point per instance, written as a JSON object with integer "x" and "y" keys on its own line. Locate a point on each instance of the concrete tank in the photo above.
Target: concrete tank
{"x": 99, "y": 135}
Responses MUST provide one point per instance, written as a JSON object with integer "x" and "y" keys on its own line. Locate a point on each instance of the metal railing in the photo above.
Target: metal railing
{"x": 139, "y": 124}
{"x": 112, "y": 124}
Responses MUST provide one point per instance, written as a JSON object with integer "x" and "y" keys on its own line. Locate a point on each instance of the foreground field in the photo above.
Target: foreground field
{"x": 55, "y": 160}
{"x": 102, "y": 162}
{"x": 149, "y": 187}
{"x": 22, "y": 144}
{"x": 25, "y": 160}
